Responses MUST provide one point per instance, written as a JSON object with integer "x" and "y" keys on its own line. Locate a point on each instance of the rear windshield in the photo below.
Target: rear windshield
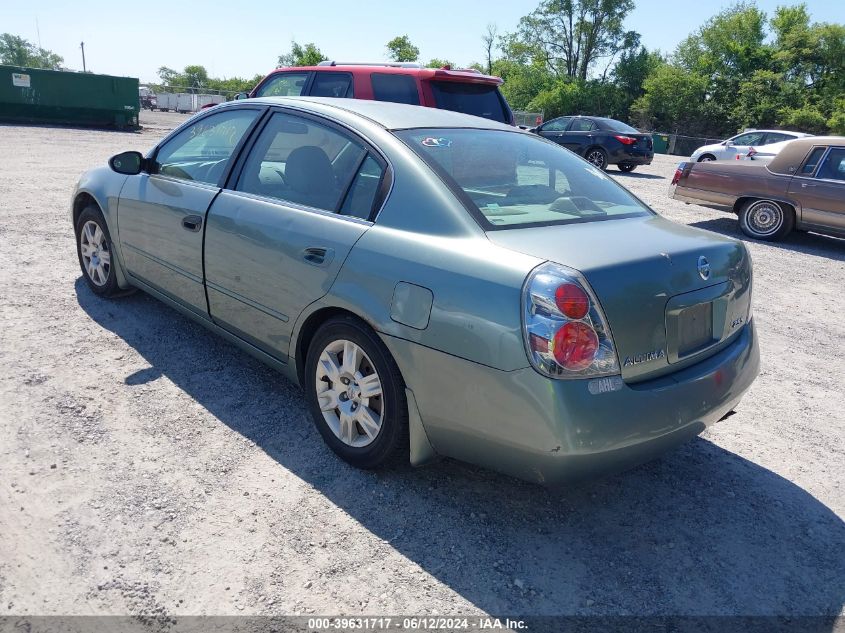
{"x": 512, "y": 179}
{"x": 481, "y": 100}
{"x": 618, "y": 126}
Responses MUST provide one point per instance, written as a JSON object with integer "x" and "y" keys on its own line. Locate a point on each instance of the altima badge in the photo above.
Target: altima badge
{"x": 704, "y": 268}
{"x": 645, "y": 357}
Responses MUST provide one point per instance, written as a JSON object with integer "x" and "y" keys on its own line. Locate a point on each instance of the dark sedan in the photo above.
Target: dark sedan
{"x": 601, "y": 141}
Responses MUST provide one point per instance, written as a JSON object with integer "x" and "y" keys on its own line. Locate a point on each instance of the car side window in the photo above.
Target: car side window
{"x": 362, "y": 194}
{"x": 750, "y": 138}
{"x": 813, "y": 160}
{"x": 202, "y": 150}
{"x": 582, "y": 125}
{"x": 776, "y": 137}
{"x": 833, "y": 166}
{"x": 331, "y": 84}
{"x": 395, "y": 88}
{"x": 284, "y": 85}
{"x": 557, "y": 125}
{"x": 298, "y": 160}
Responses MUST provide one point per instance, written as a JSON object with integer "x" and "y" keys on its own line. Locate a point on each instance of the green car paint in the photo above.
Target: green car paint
{"x": 445, "y": 294}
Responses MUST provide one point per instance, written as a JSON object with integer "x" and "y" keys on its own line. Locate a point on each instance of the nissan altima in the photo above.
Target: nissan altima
{"x": 438, "y": 284}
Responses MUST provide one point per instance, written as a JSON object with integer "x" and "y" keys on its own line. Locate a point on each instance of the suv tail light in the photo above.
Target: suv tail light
{"x": 566, "y": 333}
{"x": 625, "y": 140}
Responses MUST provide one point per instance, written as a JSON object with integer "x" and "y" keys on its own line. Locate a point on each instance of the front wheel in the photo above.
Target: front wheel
{"x": 356, "y": 394}
{"x": 94, "y": 249}
{"x": 626, "y": 167}
{"x": 766, "y": 220}
{"x": 597, "y": 156}
{"x": 706, "y": 158}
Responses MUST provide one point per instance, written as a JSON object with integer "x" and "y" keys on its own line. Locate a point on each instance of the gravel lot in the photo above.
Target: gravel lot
{"x": 148, "y": 467}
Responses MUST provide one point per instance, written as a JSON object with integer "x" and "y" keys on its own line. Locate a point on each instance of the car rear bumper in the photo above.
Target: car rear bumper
{"x": 632, "y": 156}
{"x": 552, "y": 431}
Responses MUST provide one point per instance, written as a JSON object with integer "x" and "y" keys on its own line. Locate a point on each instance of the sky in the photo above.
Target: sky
{"x": 242, "y": 39}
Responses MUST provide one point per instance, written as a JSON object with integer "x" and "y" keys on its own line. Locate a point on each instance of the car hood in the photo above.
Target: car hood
{"x": 639, "y": 269}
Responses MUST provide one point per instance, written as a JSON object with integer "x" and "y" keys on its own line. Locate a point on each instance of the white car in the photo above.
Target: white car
{"x": 739, "y": 144}
{"x": 765, "y": 153}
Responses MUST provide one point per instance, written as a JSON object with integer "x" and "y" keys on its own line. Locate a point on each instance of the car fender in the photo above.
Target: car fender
{"x": 103, "y": 186}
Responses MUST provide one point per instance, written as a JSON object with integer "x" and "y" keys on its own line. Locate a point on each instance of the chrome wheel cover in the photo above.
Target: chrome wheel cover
{"x": 706, "y": 159}
{"x": 349, "y": 393}
{"x": 96, "y": 257}
{"x": 764, "y": 218}
{"x": 596, "y": 157}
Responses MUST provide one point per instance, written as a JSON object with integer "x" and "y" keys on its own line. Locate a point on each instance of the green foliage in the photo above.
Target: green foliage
{"x": 439, "y": 63}
{"x": 195, "y": 79}
{"x": 836, "y": 123}
{"x": 806, "y": 119}
{"x": 570, "y": 36}
{"x": 400, "y": 49}
{"x": 308, "y": 55}
{"x": 673, "y": 100}
{"x": 578, "y": 97}
{"x": 16, "y": 51}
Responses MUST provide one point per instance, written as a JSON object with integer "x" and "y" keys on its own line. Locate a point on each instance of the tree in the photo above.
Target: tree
{"x": 16, "y": 51}
{"x": 439, "y": 63}
{"x": 308, "y": 55}
{"x": 400, "y": 49}
{"x": 168, "y": 76}
{"x": 571, "y": 35}
{"x": 489, "y": 39}
{"x": 673, "y": 99}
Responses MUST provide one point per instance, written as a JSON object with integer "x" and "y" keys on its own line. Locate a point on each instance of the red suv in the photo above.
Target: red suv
{"x": 466, "y": 91}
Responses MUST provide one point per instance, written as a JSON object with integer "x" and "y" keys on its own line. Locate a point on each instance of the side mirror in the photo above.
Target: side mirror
{"x": 128, "y": 163}
{"x": 241, "y": 95}
{"x": 729, "y": 143}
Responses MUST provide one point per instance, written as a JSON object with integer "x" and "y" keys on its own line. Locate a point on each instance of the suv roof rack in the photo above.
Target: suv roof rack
{"x": 331, "y": 62}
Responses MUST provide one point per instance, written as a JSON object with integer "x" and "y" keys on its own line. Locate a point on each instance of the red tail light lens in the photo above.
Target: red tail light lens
{"x": 572, "y": 301}
{"x": 575, "y": 346}
{"x": 677, "y": 177}
{"x": 625, "y": 140}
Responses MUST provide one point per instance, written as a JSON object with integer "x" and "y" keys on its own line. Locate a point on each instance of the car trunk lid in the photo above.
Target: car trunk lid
{"x": 649, "y": 277}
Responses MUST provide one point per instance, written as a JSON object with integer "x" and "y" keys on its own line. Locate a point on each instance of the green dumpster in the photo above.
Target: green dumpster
{"x": 55, "y": 96}
{"x": 661, "y": 143}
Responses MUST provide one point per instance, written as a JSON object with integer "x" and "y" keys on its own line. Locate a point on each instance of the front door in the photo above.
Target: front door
{"x": 580, "y": 135}
{"x": 821, "y": 196}
{"x": 276, "y": 241}
{"x": 555, "y": 129}
{"x": 161, "y": 214}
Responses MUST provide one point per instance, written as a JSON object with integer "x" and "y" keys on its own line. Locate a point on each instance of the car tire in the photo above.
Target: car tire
{"x": 95, "y": 252}
{"x": 365, "y": 430}
{"x": 766, "y": 220}
{"x": 626, "y": 167}
{"x": 706, "y": 158}
{"x": 597, "y": 156}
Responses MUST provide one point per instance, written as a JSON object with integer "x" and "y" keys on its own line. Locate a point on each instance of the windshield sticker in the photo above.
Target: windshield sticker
{"x": 431, "y": 141}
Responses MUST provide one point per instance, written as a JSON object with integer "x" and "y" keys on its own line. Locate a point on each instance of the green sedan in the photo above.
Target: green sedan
{"x": 438, "y": 284}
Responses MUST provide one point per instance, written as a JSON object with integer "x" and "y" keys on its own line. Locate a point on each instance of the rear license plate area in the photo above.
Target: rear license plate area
{"x": 695, "y": 328}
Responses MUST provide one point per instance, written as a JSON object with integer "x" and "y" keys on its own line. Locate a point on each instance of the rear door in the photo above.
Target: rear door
{"x": 822, "y": 195}
{"x": 277, "y": 238}
{"x": 580, "y": 135}
{"x": 161, "y": 214}
{"x": 331, "y": 84}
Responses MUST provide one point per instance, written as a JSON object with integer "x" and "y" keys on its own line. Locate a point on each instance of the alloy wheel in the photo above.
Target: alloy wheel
{"x": 349, "y": 393}
{"x": 96, "y": 256}
{"x": 596, "y": 157}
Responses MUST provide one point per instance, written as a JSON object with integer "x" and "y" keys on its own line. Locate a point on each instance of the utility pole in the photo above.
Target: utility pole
{"x": 82, "y": 46}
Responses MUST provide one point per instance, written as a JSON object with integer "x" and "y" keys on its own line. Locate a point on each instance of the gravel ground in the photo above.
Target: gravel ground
{"x": 148, "y": 467}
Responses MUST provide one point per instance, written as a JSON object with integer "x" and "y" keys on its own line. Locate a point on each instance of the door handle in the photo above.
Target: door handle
{"x": 192, "y": 222}
{"x": 318, "y": 255}
{"x": 807, "y": 184}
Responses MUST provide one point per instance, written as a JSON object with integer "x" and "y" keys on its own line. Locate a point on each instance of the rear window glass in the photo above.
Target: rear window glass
{"x": 481, "y": 100}
{"x": 510, "y": 179}
{"x": 617, "y": 126}
{"x": 816, "y": 155}
{"x": 395, "y": 88}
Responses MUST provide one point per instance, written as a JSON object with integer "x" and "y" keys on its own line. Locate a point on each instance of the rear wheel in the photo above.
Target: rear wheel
{"x": 706, "y": 158}
{"x": 766, "y": 220}
{"x": 356, "y": 394}
{"x": 597, "y": 156}
{"x": 626, "y": 167}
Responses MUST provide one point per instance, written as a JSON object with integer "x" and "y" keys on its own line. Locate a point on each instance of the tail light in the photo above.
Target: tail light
{"x": 678, "y": 173}
{"x": 625, "y": 140}
{"x": 566, "y": 333}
